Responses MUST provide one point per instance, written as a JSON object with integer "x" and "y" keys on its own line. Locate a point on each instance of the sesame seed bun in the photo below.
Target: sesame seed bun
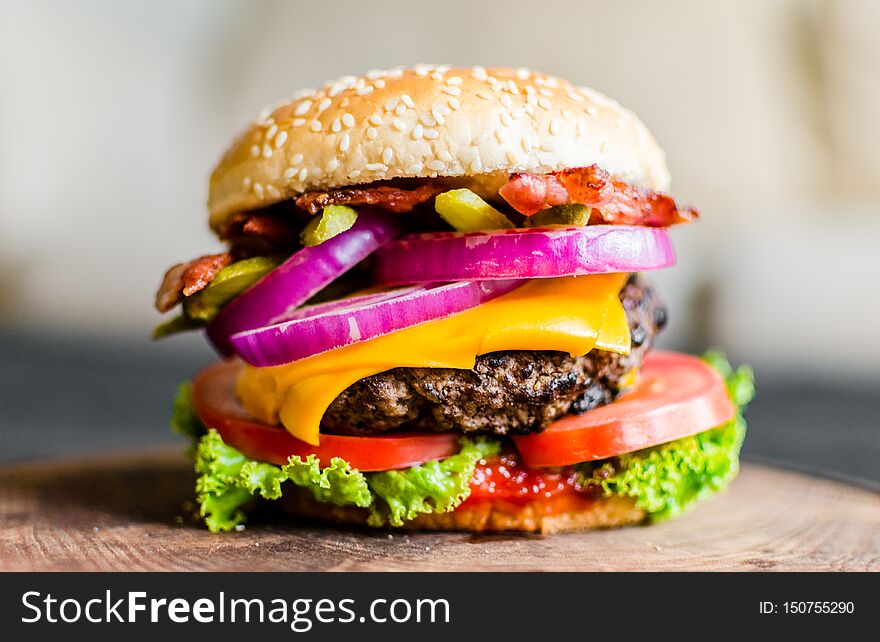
{"x": 487, "y": 517}
{"x": 430, "y": 122}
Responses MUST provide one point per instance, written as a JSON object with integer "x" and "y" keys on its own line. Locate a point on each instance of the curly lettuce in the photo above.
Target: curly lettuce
{"x": 667, "y": 479}
{"x": 227, "y": 480}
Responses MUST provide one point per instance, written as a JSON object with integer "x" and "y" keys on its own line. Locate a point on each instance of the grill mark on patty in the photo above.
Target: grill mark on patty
{"x": 507, "y": 393}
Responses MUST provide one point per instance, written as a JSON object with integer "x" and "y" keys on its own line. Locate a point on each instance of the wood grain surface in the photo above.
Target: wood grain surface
{"x": 131, "y": 512}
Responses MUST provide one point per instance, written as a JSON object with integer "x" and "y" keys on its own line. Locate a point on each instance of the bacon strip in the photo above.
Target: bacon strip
{"x": 185, "y": 279}
{"x": 613, "y": 201}
{"x": 392, "y": 199}
{"x": 268, "y": 227}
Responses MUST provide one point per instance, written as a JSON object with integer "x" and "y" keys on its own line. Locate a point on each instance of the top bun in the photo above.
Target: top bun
{"x": 430, "y": 121}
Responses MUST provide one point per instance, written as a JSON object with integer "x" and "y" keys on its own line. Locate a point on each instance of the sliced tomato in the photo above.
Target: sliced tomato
{"x": 213, "y": 393}
{"x": 677, "y": 395}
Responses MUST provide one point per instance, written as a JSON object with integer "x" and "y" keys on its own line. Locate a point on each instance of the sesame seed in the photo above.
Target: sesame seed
{"x": 336, "y": 127}
{"x": 591, "y": 110}
{"x": 271, "y": 131}
{"x": 418, "y": 131}
{"x": 499, "y": 135}
{"x": 246, "y": 183}
{"x": 331, "y": 166}
{"x": 522, "y": 73}
{"x": 344, "y": 143}
{"x": 344, "y": 102}
{"x": 530, "y": 89}
{"x": 400, "y": 109}
{"x": 372, "y": 133}
{"x": 375, "y": 119}
{"x": 258, "y": 190}
{"x": 436, "y": 165}
{"x": 407, "y": 101}
{"x": 454, "y": 103}
{"x": 298, "y": 122}
{"x": 575, "y": 96}
{"x": 363, "y": 91}
{"x": 511, "y": 156}
{"x": 398, "y": 124}
{"x": 387, "y": 155}
{"x": 453, "y": 80}
{"x": 438, "y": 76}
{"x": 444, "y": 156}
{"x": 545, "y": 92}
{"x": 375, "y": 167}
{"x": 379, "y": 84}
{"x": 255, "y": 150}
{"x": 579, "y": 128}
{"x": 438, "y": 117}
{"x": 452, "y": 90}
{"x": 324, "y": 104}
{"x": 372, "y": 74}
{"x": 505, "y": 100}
{"x": 303, "y": 174}
{"x": 529, "y": 109}
{"x": 484, "y": 95}
{"x": 354, "y": 173}
{"x": 415, "y": 168}
{"x": 476, "y": 165}
{"x": 280, "y": 139}
{"x": 273, "y": 191}
{"x": 267, "y": 151}
{"x": 554, "y": 127}
{"x": 348, "y": 120}
{"x": 315, "y": 125}
{"x": 390, "y": 104}
{"x": 526, "y": 144}
{"x": 431, "y": 134}
{"x": 518, "y": 113}
{"x": 441, "y": 108}
{"x": 297, "y": 159}
{"x": 395, "y": 73}
{"x": 511, "y": 85}
{"x": 428, "y": 120}
{"x": 289, "y": 173}
{"x": 302, "y": 108}
{"x": 567, "y": 113}
{"x": 505, "y": 119}
{"x": 545, "y": 104}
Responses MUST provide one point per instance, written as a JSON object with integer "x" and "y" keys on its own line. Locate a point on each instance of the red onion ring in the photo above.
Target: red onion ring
{"x": 277, "y": 295}
{"x": 328, "y": 326}
{"x": 523, "y": 253}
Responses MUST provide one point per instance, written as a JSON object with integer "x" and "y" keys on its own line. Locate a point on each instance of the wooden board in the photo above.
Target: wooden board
{"x": 130, "y": 512}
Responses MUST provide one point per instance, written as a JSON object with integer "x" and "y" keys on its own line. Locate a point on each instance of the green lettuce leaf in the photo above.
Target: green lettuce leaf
{"x": 666, "y": 479}
{"x": 227, "y": 480}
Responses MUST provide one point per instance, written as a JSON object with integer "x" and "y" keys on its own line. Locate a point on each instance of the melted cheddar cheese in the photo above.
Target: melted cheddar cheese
{"x": 570, "y": 314}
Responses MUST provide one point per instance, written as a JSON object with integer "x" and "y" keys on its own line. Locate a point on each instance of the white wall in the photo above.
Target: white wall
{"x": 111, "y": 115}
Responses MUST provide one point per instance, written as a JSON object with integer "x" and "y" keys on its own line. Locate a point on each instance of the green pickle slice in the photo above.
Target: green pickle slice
{"x": 229, "y": 283}
{"x": 333, "y": 220}
{"x": 467, "y": 212}
{"x": 572, "y": 215}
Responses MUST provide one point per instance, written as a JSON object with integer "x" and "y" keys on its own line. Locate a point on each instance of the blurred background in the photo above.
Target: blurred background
{"x": 113, "y": 114}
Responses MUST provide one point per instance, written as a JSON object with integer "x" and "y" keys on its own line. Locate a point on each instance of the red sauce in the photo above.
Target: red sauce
{"x": 506, "y": 480}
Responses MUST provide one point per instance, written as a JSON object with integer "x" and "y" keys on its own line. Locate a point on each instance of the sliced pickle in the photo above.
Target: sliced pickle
{"x": 333, "y": 220}
{"x": 229, "y": 283}
{"x": 467, "y": 212}
{"x": 180, "y": 323}
{"x": 572, "y": 215}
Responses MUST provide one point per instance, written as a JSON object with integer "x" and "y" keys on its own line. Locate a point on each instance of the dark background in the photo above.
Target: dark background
{"x": 65, "y": 394}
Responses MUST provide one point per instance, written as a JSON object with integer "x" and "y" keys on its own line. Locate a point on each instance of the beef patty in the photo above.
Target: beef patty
{"x": 510, "y": 392}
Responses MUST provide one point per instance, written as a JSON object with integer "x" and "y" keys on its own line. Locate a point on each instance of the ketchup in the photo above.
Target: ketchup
{"x": 505, "y": 478}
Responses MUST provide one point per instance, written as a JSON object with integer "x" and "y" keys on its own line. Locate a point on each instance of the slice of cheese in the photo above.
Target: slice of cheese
{"x": 570, "y": 314}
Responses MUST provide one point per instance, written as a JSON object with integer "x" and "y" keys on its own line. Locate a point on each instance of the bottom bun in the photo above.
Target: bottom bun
{"x": 606, "y": 512}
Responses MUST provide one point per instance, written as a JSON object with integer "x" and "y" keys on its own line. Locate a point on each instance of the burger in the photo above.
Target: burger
{"x": 432, "y": 314}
